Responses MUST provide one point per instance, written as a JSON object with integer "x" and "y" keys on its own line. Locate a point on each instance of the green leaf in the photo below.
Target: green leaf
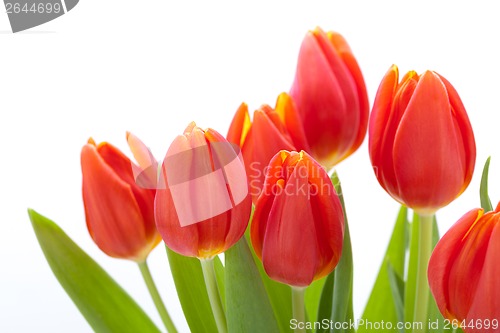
{"x": 483, "y": 189}
{"x": 381, "y": 305}
{"x": 192, "y": 293}
{"x": 312, "y": 298}
{"x": 325, "y": 302}
{"x": 342, "y": 311}
{"x": 397, "y": 289}
{"x": 248, "y": 306}
{"x": 103, "y": 303}
{"x": 280, "y": 295}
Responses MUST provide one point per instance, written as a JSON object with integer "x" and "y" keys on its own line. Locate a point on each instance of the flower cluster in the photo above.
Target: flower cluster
{"x": 200, "y": 198}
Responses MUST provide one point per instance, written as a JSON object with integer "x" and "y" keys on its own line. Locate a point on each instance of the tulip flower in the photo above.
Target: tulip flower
{"x": 331, "y": 98}
{"x": 202, "y": 205}
{"x": 298, "y": 225}
{"x": 421, "y": 142}
{"x": 119, "y": 213}
{"x": 120, "y": 209}
{"x": 271, "y": 131}
{"x": 463, "y": 272}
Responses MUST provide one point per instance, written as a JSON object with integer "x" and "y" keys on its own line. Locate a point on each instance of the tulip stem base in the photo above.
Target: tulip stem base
{"x": 207, "y": 266}
{"x": 299, "y": 310}
{"x": 155, "y": 295}
{"x": 424, "y": 254}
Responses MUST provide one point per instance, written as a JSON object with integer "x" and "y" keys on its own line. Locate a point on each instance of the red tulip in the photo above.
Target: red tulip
{"x": 271, "y": 131}
{"x": 202, "y": 205}
{"x": 421, "y": 142}
{"x": 298, "y": 225}
{"x": 119, "y": 213}
{"x": 464, "y": 269}
{"x": 331, "y": 97}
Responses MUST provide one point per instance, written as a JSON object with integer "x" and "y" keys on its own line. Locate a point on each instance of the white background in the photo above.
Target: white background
{"x": 151, "y": 67}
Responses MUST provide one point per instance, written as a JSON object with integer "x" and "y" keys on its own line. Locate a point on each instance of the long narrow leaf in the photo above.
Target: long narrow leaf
{"x": 397, "y": 288}
{"x": 381, "y": 305}
{"x": 192, "y": 293}
{"x": 342, "y": 311}
{"x": 312, "y": 299}
{"x": 325, "y": 303}
{"x": 279, "y": 295}
{"x": 248, "y": 306}
{"x": 103, "y": 303}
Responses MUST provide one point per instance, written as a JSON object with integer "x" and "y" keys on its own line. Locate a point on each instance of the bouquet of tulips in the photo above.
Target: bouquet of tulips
{"x": 255, "y": 226}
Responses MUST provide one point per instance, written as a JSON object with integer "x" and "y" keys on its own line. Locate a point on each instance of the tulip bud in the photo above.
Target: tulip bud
{"x": 271, "y": 131}
{"x": 298, "y": 225}
{"x": 119, "y": 213}
{"x": 421, "y": 142}
{"x": 463, "y": 272}
{"x": 202, "y": 205}
{"x": 331, "y": 98}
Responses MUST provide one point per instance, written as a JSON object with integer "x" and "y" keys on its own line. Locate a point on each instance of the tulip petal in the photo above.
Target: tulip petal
{"x": 486, "y": 303}
{"x": 345, "y": 53}
{"x": 470, "y": 259}
{"x": 328, "y": 216}
{"x": 317, "y": 93}
{"x": 240, "y": 125}
{"x": 285, "y": 108}
{"x": 264, "y": 141}
{"x": 379, "y": 119}
{"x": 443, "y": 257}
{"x": 147, "y": 173}
{"x": 114, "y": 219}
{"x": 290, "y": 230}
{"x": 435, "y": 157}
{"x": 265, "y": 201}
{"x": 183, "y": 240}
{"x": 464, "y": 131}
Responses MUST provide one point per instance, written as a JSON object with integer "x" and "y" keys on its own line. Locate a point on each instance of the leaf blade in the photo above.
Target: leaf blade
{"x": 103, "y": 303}
{"x": 248, "y": 306}
{"x": 380, "y": 305}
{"x": 190, "y": 286}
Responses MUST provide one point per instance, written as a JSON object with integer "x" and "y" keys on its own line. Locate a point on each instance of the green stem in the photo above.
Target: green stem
{"x": 207, "y": 266}
{"x": 424, "y": 253}
{"x": 299, "y": 310}
{"x": 155, "y": 295}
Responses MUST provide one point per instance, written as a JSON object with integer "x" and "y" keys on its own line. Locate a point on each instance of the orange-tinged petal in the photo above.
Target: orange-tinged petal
{"x": 380, "y": 114}
{"x": 464, "y": 130}
{"x": 290, "y": 210}
{"x": 240, "y": 125}
{"x": 266, "y": 141}
{"x": 427, "y": 132}
{"x": 285, "y": 108}
{"x": 114, "y": 218}
{"x": 297, "y": 226}
{"x": 344, "y": 51}
{"x": 201, "y": 172}
{"x": 147, "y": 173}
{"x": 443, "y": 258}
{"x": 330, "y": 96}
{"x": 317, "y": 93}
{"x": 486, "y": 302}
{"x": 470, "y": 259}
